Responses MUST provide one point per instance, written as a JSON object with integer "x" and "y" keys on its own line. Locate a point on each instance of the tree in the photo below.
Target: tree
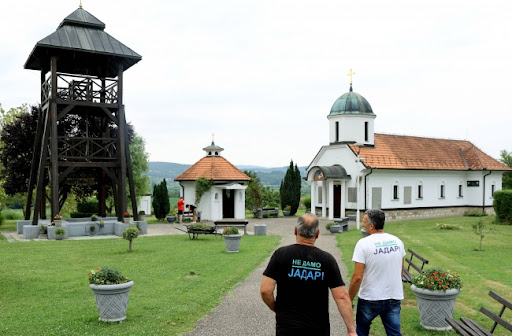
{"x": 130, "y": 233}
{"x": 481, "y": 229}
{"x": 257, "y": 195}
{"x": 506, "y": 158}
{"x": 290, "y": 189}
{"x": 140, "y": 165}
{"x": 161, "y": 204}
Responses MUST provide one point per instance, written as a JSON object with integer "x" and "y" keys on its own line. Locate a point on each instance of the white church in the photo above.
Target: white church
{"x": 406, "y": 176}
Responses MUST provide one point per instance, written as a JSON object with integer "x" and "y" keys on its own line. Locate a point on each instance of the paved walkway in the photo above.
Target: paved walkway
{"x": 244, "y": 303}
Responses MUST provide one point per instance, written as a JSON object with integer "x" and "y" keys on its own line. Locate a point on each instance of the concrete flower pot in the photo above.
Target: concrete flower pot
{"x": 435, "y": 307}
{"x": 232, "y": 242}
{"x": 112, "y": 301}
{"x": 335, "y": 229}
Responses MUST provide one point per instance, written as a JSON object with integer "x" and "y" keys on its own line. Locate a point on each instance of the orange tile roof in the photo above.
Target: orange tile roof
{"x": 214, "y": 168}
{"x": 409, "y": 152}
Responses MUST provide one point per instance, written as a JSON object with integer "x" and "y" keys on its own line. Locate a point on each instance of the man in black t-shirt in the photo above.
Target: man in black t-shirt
{"x": 304, "y": 274}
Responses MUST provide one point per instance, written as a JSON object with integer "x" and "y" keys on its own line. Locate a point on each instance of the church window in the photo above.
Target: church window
{"x": 319, "y": 194}
{"x": 395, "y": 191}
{"x": 420, "y": 190}
{"x": 493, "y": 188}
{"x": 442, "y": 190}
{"x": 461, "y": 189}
{"x": 366, "y": 131}
{"x": 337, "y": 126}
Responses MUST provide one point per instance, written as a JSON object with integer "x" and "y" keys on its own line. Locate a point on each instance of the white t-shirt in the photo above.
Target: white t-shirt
{"x": 382, "y": 254}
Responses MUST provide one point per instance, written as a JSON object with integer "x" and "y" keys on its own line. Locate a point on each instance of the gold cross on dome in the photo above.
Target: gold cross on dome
{"x": 350, "y": 74}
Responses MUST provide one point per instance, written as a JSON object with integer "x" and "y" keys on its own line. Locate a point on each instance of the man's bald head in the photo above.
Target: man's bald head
{"x": 307, "y": 225}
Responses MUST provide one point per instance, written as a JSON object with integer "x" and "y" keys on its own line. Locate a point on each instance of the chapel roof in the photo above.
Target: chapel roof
{"x": 214, "y": 168}
{"x": 411, "y": 152}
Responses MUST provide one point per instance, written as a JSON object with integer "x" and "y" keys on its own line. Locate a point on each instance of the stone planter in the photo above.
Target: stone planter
{"x": 171, "y": 219}
{"x": 127, "y": 220}
{"x": 58, "y": 222}
{"x": 435, "y": 307}
{"x": 232, "y": 242}
{"x": 335, "y": 229}
{"x": 112, "y": 301}
{"x": 286, "y": 213}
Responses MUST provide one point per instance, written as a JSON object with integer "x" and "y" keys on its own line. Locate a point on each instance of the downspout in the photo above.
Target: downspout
{"x": 371, "y": 171}
{"x": 483, "y": 193}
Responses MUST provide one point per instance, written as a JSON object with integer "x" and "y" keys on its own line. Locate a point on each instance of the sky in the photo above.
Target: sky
{"x": 262, "y": 75}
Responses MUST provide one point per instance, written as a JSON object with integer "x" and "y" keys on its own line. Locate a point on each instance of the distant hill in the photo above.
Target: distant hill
{"x": 270, "y": 177}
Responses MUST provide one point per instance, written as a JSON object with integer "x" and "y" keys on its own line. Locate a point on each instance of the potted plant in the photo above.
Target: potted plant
{"x": 42, "y": 229}
{"x": 333, "y": 227}
{"x": 286, "y": 210}
{"x": 231, "y": 238}
{"x": 60, "y": 233}
{"x": 142, "y": 213}
{"x": 57, "y": 219}
{"x": 126, "y": 217}
{"x": 94, "y": 218}
{"x": 101, "y": 224}
{"x": 111, "y": 289}
{"x": 436, "y": 291}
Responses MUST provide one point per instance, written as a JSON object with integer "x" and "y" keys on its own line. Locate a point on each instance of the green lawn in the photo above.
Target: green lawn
{"x": 44, "y": 288}
{"x": 453, "y": 250}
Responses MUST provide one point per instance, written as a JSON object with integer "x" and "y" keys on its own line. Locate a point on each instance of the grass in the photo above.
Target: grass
{"x": 453, "y": 250}
{"x": 44, "y": 287}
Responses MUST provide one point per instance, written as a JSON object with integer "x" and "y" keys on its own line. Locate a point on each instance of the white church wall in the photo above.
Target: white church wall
{"x": 351, "y": 128}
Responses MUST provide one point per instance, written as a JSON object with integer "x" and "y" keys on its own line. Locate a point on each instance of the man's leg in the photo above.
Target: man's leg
{"x": 366, "y": 312}
{"x": 391, "y": 317}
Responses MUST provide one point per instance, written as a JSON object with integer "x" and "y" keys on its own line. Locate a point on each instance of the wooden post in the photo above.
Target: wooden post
{"x": 122, "y": 145}
{"x": 54, "y": 150}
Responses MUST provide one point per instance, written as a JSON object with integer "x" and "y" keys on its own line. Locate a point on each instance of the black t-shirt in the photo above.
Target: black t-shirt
{"x": 304, "y": 275}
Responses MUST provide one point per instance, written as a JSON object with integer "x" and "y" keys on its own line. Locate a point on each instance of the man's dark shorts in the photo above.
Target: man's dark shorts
{"x": 180, "y": 212}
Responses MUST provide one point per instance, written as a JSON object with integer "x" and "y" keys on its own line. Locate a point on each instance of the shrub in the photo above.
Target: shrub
{"x": 60, "y": 231}
{"x": 228, "y": 230}
{"x": 503, "y": 206}
{"x": 1, "y": 218}
{"x": 474, "y": 213}
{"x": 130, "y": 234}
{"x": 445, "y": 226}
{"x": 307, "y": 202}
{"x": 10, "y": 214}
{"x": 89, "y": 206}
{"x": 106, "y": 276}
{"x": 328, "y": 225}
{"x": 81, "y": 214}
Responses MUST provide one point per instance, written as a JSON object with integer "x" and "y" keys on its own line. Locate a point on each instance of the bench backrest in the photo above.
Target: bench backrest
{"x": 497, "y": 318}
{"x": 411, "y": 263}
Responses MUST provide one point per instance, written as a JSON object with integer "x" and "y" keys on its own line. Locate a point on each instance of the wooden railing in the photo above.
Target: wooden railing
{"x": 87, "y": 149}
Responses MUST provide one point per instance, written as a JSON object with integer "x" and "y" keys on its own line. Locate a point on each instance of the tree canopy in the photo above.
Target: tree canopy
{"x": 506, "y": 158}
{"x": 257, "y": 195}
{"x": 290, "y": 189}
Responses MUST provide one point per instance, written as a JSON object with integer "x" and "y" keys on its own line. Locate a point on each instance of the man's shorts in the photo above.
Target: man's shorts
{"x": 180, "y": 212}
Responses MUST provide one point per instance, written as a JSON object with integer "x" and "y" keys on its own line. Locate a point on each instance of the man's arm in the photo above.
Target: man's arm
{"x": 267, "y": 292}
{"x": 357, "y": 278}
{"x": 344, "y": 304}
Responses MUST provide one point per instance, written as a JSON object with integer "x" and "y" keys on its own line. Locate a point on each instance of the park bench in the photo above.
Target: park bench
{"x": 268, "y": 211}
{"x": 406, "y": 276}
{"x": 468, "y": 327}
{"x": 232, "y": 223}
{"x": 342, "y": 222}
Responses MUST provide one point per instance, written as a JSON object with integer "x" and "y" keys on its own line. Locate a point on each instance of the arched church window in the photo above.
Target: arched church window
{"x": 366, "y": 131}
{"x": 442, "y": 190}
{"x": 337, "y": 130}
{"x": 420, "y": 190}
{"x": 395, "y": 190}
{"x": 493, "y": 188}
{"x": 461, "y": 189}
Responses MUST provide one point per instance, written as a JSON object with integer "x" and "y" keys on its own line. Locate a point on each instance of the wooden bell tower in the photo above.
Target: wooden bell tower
{"x": 82, "y": 125}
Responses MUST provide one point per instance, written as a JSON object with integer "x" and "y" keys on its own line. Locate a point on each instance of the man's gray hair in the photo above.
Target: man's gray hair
{"x": 377, "y": 217}
{"x": 307, "y": 225}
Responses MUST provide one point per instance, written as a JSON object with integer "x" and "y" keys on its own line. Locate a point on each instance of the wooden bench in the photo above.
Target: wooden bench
{"x": 268, "y": 211}
{"x": 232, "y": 223}
{"x": 407, "y": 277}
{"x": 468, "y": 327}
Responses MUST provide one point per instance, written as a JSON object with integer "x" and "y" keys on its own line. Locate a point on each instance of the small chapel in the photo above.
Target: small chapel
{"x": 406, "y": 176}
{"x": 226, "y": 197}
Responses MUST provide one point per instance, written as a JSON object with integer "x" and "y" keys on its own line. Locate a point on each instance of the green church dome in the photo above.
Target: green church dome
{"x": 351, "y": 103}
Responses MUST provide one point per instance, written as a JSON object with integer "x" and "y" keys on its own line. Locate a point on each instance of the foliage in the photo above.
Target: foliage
{"x": 202, "y": 186}
{"x": 437, "y": 279}
{"x": 142, "y": 212}
{"x": 94, "y": 218}
{"x": 447, "y": 226}
{"x": 474, "y": 213}
{"x": 160, "y": 202}
{"x": 328, "y": 225}
{"x": 502, "y": 204}
{"x": 229, "y": 230}
{"x": 106, "y": 276}
{"x": 88, "y": 206}
{"x": 200, "y": 226}
{"x": 60, "y": 231}
{"x": 307, "y": 202}
{"x": 140, "y": 167}
{"x": 481, "y": 228}
{"x": 1, "y": 218}
{"x": 257, "y": 195}
{"x": 130, "y": 233}
{"x": 290, "y": 189}
{"x": 506, "y": 158}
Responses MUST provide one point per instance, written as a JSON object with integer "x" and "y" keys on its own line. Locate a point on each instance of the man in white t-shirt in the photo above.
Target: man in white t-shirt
{"x": 377, "y": 278}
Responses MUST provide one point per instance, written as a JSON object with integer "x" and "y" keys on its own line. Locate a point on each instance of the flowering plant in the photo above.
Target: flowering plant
{"x": 287, "y": 208}
{"x": 57, "y": 217}
{"x": 228, "y": 230}
{"x": 106, "y": 276}
{"x": 438, "y": 279}
{"x": 127, "y": 214}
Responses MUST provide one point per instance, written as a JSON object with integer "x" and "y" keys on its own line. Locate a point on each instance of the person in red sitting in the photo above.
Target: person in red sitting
{"x": 181, "y": 208}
